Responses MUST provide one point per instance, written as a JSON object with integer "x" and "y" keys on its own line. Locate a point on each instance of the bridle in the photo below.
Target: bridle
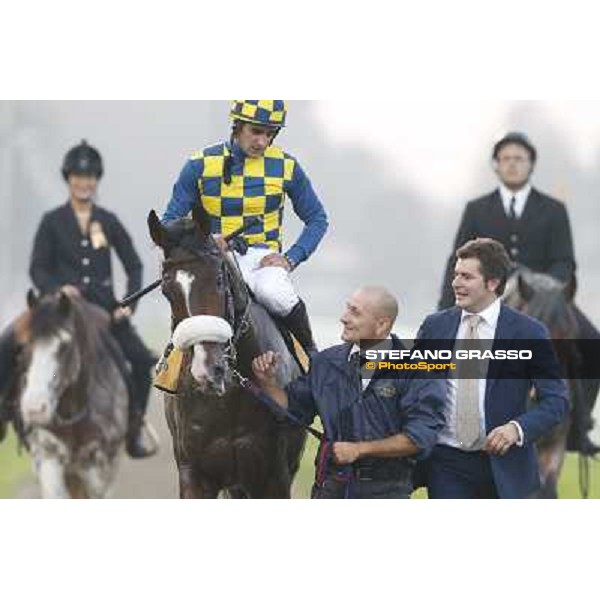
{"x": 237, "y": 317}
{"x": 58, "y": 420}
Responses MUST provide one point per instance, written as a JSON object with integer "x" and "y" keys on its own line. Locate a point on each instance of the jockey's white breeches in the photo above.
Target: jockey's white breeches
{"x": 272, "y": 286}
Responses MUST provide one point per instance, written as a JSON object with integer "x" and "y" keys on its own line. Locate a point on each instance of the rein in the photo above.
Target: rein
{"x": 129, "y": 300}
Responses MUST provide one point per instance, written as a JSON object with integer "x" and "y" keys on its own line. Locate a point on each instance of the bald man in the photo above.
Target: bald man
{"x": 375, "y": 429}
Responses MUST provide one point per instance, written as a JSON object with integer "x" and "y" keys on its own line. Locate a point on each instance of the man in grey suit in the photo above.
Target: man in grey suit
{"x": 535, "y": 230}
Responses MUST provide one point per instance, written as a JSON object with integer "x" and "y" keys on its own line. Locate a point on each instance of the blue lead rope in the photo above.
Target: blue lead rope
{"x": 324, "y": 452}
{"x": 274, "y": 407}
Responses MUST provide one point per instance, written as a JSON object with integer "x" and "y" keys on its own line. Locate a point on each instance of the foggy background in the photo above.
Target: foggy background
{"x": 394, "y": 186}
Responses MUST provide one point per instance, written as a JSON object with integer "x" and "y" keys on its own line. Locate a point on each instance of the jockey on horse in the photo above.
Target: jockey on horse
{"x": 72, "y": 253}
{"x": 246, "y": 177}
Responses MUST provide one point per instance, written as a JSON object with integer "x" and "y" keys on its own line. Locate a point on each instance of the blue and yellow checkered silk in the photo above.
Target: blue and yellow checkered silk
{"x": 258, "y": 187}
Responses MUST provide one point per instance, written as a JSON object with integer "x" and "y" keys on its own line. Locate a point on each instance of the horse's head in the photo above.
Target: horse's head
{"x": 195, "y": 282}
{"x": 54, "y": 356}
{"x": 543, "y": 297}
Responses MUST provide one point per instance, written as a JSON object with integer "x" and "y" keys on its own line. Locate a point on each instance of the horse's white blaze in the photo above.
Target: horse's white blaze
{"x": 39, "y": 395}
{"x": 199, "y": 363}
{"x": 185, "y": 280}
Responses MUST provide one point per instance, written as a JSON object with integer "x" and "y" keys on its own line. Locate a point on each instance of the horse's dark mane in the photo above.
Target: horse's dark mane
{"x": 184, "y": 233}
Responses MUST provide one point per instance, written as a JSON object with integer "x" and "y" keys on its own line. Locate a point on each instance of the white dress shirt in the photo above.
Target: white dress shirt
{"x": 520, "y": 199}
{"x": 486, "y": 330}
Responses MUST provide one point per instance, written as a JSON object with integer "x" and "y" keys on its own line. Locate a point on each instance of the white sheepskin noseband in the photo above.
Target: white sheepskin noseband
{"x": 203, "y": 328}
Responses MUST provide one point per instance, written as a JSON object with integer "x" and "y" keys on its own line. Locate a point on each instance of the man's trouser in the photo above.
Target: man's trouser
{"x": 384, "y": 479}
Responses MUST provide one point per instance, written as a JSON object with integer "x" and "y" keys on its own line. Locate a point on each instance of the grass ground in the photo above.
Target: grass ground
{"x": 568, "y": 485}
{"x": 14, "y": 467}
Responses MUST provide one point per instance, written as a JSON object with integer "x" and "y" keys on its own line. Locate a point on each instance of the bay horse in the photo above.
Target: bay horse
{"x": 72, "y": 397}
{"x": 550, "y": 301}
{"x": 225, "y": 441}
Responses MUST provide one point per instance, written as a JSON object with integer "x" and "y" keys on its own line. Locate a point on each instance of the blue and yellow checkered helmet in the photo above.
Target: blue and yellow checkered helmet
{"x": 271, "y": 113}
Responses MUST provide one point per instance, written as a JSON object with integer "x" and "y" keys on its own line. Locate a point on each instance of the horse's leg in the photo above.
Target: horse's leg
{"x": 51, "y": 474}
{"x": 96, "y": 479}
{"x": 76, "y": 487}
{"x": 50, "y": 455}
{"x": 191, "y": 486}
{"x": 551, "y": 456}
{"x": 274, "y": 482}
{"x": 277, "y": 488}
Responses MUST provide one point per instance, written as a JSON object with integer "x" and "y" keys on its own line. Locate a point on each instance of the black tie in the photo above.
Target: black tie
{"x": 512, "y": 213}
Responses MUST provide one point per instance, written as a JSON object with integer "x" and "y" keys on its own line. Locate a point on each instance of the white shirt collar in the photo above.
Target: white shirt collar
{"x": 520, "y": 198}
{"x": 489, "y": 315}
{"x": 355, "y": 348}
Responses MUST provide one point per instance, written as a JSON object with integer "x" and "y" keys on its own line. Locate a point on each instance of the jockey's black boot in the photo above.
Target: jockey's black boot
{"x": 139, "y": 381}
{"x": 138, "y": 443}
{"x": 299, "y": 325}
{"x": 9, "y": 350}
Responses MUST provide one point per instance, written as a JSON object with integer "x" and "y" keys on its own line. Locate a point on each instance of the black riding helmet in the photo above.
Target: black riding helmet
{"x": 515, "y": 137}
{"x": 82, "y": 160}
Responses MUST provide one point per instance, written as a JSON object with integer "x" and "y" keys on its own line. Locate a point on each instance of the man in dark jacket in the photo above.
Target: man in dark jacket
{"x": 535, "y": 231}
{"x": 374, "y": 428}
{"x": 72, "y": 252}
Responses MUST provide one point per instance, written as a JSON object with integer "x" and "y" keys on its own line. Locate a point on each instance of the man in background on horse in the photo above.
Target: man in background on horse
{"x": 535, "y": 231}
{"x": 247, "y": 177}
{"x": 72, "y": 253}
{"x": 375, "y": 428}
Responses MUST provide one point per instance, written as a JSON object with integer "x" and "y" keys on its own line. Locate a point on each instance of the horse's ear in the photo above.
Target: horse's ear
{"x": 157, "y": 231}
{"x": 32, "y": 298}
{"x": 570, "y": 288}
{"x": 64, "y": 304}
{"x": 200, "y": 217}
{"x": 525, "y": 290}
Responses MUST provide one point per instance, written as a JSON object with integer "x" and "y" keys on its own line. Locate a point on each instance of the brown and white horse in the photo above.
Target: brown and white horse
{"x": 73, "y": 397}
{"x": 224, "y": 440}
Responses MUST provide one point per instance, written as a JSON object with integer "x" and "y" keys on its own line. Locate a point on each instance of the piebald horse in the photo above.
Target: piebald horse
{"x": 73, "y": 397}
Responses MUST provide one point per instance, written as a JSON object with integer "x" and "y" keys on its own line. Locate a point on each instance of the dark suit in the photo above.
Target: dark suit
{"x": 514, "y": 475}
{"x": 541, "y": 239}
{"x": 63, "y": 255}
